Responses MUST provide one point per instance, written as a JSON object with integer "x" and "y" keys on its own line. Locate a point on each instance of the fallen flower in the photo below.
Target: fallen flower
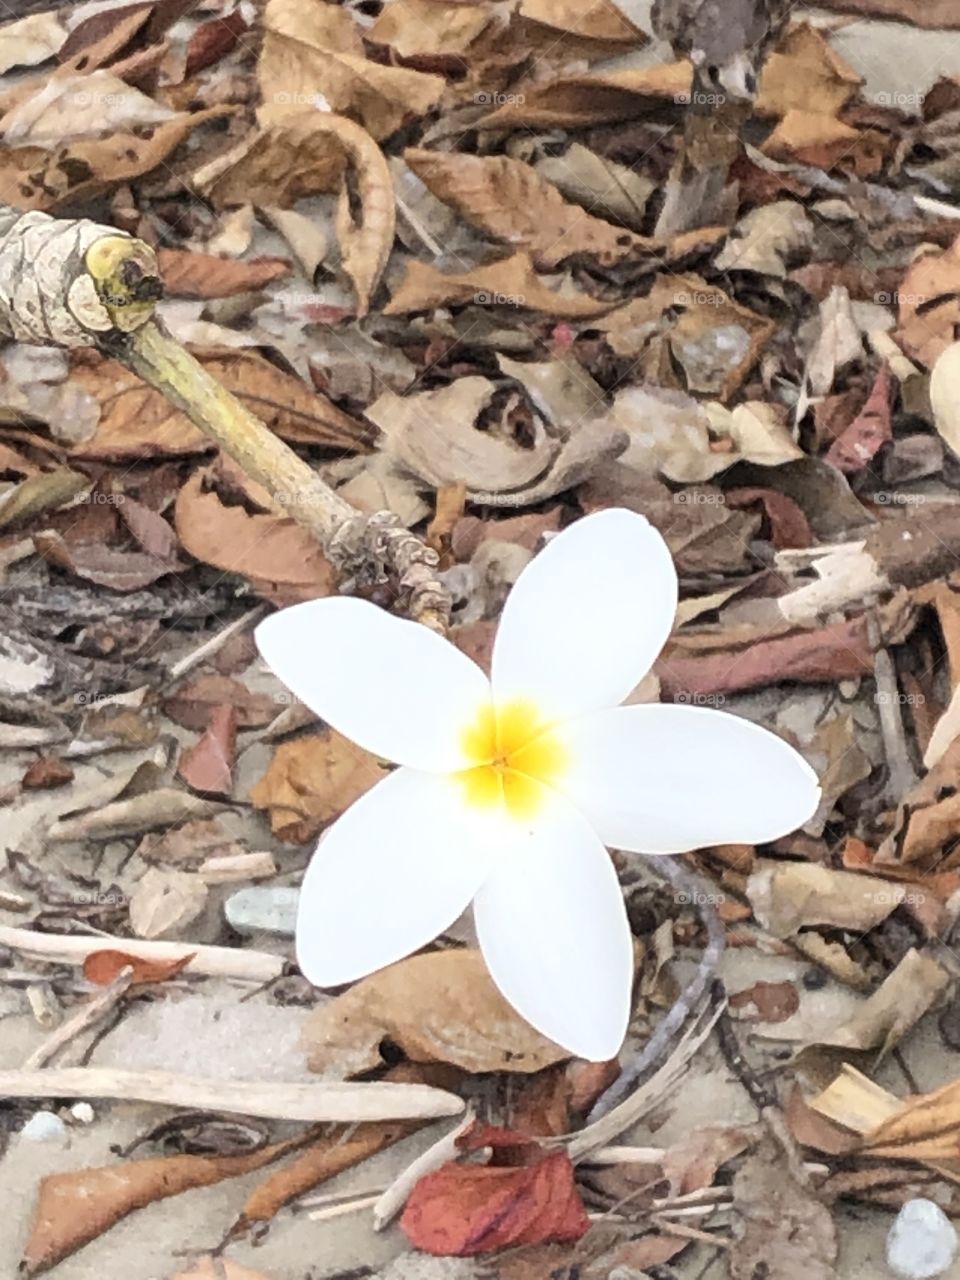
{"x": 509, "y": 788}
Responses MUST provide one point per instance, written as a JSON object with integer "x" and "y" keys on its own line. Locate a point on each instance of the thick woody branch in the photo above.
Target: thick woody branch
{"x": 77, "y": 284}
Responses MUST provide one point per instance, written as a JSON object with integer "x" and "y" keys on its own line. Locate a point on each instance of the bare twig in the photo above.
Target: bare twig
{"x": 310, "y": 1103}
{"x": 88, "y": 1015}
{"x": 676, "y": 873}
{"x": 389, "y": 1204}
{"x": 217, "y": 962}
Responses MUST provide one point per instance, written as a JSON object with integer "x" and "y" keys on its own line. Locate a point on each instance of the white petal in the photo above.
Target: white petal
{"x": 553, "y": 929}
{"x": 666, "y": 779}
{"x": 389, "y": 876}
{"x": 393, "y": 686}
{"x": 587, "y": 617}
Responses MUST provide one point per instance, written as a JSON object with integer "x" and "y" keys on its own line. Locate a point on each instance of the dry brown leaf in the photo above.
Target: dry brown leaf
{"x": 204, "y": 275}
{"x": 929, "y": 304}
{"x": 138, "y": 422}
{"x": 41, "y": 491}
{"x": 75, "y": 106}
{"x": 191, "y": 703}
{"x": 600, "y": 98}
{"x": 207, "y": 766}
{"x": 75, "y": 1208}
{"x": 508, "y": 201}
{"x": 164, "y": 901}
{"x": 310, "y": 781}
{"x": 283, "y": 562}
{"x": 195, "y": 841}
{"x": 512, "y": 282}
{"x": 107, "y": 566}
{"x": 45, "y": 773}
{"x": 808, "y": 137}
{"x": 603, "y": 22}
{"x": 437, "y": 1007}
{"x": 104, "y": 967}
{"x": 47, "y": 179}
{"x": 314, "y": 56}
{"x": 434, "y": 27}
{"x": 790, "y": 896}
{"x": 806, "y": 68}
{"x": 278, "y": 165}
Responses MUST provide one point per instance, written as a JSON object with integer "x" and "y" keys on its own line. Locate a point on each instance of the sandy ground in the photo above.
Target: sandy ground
{"x": 153, "y": 1244}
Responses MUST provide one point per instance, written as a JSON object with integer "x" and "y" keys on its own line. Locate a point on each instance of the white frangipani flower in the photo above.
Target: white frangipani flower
{"x": 510, "y": 788}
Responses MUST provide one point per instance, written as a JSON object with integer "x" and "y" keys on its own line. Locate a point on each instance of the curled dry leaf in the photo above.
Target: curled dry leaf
{"x": 434, "y": 435}
{"x": 316, "y": 55}
{"x": 510, "y": 202}
{"x": 220, "y": 1268}
{"x": 437, "y": 1007}
{"x": 310, "y": 781}
{"x": 790, "y": 896}
{"x": 366, "y": 238}
{"x": 526, "y": 1196}
{"x": 191, "y": 703}
{"x": 75, "y": 1208}
{"x": 104, "y": 967}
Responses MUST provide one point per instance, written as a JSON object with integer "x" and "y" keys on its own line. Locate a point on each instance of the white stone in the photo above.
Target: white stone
{"x": 263, "y": 909}
{"x": 83, "y": 1113}
{"x": 922, "y": 1242}
{"x": 43, "y": 1126}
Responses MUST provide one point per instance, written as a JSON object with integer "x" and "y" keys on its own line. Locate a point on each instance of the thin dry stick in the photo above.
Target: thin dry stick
{"x": 214, "y": 962}
{"x": 88, "y": 1015}
{"x": 74, "y": 283}
{"x": 389, "y": 1204}
{"x": 694, "y": 889}
{"x": 310, "y": 1103}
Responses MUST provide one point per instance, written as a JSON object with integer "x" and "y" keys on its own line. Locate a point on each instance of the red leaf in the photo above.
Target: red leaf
{"x": 207, "y": 766}
{"x": 869, "y": 430}
{"x": 102, "y": 967}
{"x": 465, "y": 1209}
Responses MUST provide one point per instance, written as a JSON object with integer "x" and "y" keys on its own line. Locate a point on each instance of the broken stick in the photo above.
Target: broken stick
{"x": 75, "y": 283}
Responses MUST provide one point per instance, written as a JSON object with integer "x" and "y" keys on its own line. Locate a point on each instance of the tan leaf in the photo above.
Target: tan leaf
{"x": 315, "y": 56}
{"x": 220, "y": 1268}
{"x": 805, "y": 68}
{"x": 165, "y": 901}
{"x": 277, "y": 165}
{"x": 203, "y": 275}
{"x": 598, "y": 98}
{"x": 437, "y": 1007}
{"x": 432, "y": 27}
{"x": 512, "y": 282}
{"x": 508, "y": 201}
{"x": 810, "y": 137}
{"x": 46, "y": 179}
{"x": 29, "y": 41}
{"x": 137, "y": 422}
{"x": 75, "y": 106}
{"x": 40, "y": 492}
{"x": 604, "y": 21}
{"x": 282, "y": 560}
{"x": 310, "y": 781}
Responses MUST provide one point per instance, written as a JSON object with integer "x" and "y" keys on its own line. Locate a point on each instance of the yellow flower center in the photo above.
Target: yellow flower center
{"x": 512, "y": 750}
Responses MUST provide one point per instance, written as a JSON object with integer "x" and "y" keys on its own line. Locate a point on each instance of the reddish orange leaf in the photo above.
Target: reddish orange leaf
{"x": 527, "y": 1197}
{"x": 102, "y": 967}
